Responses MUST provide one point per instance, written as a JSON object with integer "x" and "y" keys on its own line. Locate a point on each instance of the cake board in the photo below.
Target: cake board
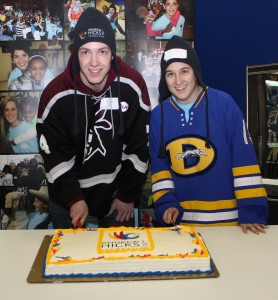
{"x": 35, "y": 274}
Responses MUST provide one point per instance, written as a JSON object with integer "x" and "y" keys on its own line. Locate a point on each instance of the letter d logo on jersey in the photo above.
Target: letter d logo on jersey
{"x": 189, "y": 155}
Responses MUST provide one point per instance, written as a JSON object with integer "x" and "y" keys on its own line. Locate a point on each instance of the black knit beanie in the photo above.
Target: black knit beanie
{"x": 178, "y": 50}
{"x": 92, "y": 26}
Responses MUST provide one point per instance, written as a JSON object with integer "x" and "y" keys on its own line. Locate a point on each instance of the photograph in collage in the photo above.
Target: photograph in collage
{"x": 22, "y": 179}
{"x": 72, "y": 12}
{"x": 31, "y": 20}
{"x": 34, "y": 49}
{"x": 30, "y": 65}
{"x": 115, "y": 13}
{"x": 18, "y": 122}
{"x": 160, "y": 19}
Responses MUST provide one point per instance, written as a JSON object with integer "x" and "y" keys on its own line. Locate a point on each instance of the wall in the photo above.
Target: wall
{"x": 5, "y": 68}
{"x": 231, "y": 35}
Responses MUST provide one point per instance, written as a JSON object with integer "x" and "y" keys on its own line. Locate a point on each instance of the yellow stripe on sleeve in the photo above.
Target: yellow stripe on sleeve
{"x": 209, "y": 205}
{"x": 161, "y": 175}
{"x": 248, "y": 170}
{"x": 250, "y": 193}
{"x": 157, "y": 195}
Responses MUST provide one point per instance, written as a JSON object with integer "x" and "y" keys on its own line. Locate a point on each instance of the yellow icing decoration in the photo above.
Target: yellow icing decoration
{"x": 123, "y": 242}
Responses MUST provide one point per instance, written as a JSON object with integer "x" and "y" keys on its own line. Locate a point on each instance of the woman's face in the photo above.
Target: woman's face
{"x": 37, "y": 69}
{"x": 21, "y": 59}
{"x": 11, "y": 112}
{"x": 111, "y": 11}
{"x": 171, "y": 6}
{"x": 181, "y": 82}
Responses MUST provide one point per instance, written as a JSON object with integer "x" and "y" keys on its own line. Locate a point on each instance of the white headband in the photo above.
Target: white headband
{"x": 175, "y": 53}
{"x": 38, "y": 56}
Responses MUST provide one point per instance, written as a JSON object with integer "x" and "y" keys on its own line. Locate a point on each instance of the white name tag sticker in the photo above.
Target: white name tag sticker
{"x": 175, "y": 53}
{"x": 109, "y": 103}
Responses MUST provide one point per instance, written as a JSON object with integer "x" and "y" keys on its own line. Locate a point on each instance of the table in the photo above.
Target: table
{"x": 247, "y": 265}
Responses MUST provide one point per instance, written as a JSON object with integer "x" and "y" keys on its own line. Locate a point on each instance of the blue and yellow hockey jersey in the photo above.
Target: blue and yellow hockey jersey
{"x": 220, "y": 185}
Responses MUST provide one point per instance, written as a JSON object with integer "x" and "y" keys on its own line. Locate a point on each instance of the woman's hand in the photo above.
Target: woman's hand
{"x": 170, "y": 215}
{"x": 255, "y": 228}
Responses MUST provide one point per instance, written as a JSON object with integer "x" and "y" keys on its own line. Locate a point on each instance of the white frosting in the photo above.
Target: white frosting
{"x": 92, "y": 252}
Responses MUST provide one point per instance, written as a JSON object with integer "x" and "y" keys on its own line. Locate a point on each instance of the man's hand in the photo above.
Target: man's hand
{"x": 79, "y": 213}
{"x": 125, "y": 210}
{"x": 255, "y": 228}
{"x": 170, "y": 215}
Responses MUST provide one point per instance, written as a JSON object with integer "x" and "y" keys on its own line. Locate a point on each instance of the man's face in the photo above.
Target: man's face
{"x": 181, "y": 82}
{"x": 95, "y": 62}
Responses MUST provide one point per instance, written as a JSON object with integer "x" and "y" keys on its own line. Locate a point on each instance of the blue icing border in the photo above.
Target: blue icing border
{"x": 130, "y": 274}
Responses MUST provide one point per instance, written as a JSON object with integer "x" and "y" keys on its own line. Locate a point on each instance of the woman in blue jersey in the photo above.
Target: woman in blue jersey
{"x": 204, "y": 168}
{"x": 163, "y": 22}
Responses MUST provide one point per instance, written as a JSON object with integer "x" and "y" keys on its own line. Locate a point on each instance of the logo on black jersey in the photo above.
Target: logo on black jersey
{"x": 95, "y": 144}
{"x": 189, "y": 156}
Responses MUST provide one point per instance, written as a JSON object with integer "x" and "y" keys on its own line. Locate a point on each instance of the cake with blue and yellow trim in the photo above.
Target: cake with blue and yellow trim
{"x": 125, "y": 252}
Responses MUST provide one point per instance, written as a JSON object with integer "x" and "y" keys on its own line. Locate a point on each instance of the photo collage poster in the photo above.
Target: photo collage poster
{"x": 34, "y": 49}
